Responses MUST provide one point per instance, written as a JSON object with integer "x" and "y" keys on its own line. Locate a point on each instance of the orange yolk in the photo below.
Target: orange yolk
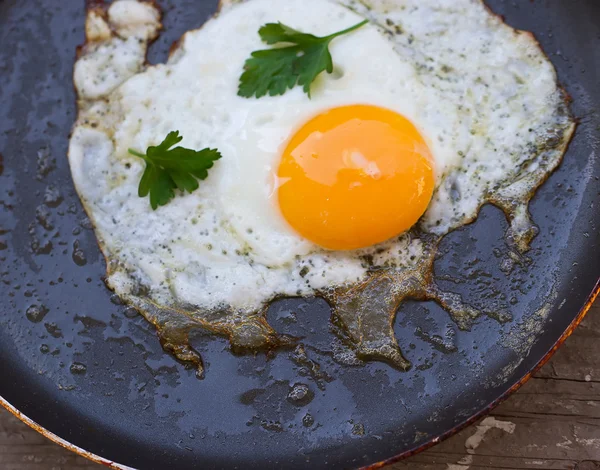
{"x": 355, "y": 176}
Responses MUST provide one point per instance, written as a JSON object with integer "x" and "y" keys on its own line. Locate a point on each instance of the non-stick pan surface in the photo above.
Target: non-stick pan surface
{"x": 93, "y": 372}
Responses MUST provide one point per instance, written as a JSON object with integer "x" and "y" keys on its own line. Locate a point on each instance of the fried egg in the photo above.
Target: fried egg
{"x": 433, "y": 108}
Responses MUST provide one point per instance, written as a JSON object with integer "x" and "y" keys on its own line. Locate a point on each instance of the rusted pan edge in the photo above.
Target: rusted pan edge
{"x": 110, "y": 464}
{"x": 580, "y": 316}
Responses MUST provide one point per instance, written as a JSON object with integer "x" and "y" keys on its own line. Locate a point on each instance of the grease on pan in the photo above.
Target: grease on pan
{"x": 490, "y": 112}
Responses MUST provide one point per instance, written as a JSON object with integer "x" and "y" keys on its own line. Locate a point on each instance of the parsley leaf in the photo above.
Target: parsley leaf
{"x": 274, "y": 71}
{"x": 170, "y": 168}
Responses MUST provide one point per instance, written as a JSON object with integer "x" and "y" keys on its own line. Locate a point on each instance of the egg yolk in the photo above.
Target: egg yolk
{"x": 355, "y": 176}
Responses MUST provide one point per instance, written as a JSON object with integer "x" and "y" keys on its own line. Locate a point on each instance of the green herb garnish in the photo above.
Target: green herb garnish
{"x": 169, "y": 168}
{"x": 274, "y": 71}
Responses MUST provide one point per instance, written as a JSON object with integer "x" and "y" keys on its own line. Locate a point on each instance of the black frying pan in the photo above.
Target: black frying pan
{"x": 92, "y": 372}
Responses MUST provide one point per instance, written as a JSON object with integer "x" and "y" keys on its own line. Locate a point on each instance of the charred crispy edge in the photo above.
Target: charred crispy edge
{"x": 391, "y": 352}
{"x": 61, "y": 442}
{"x": 516, "y": 245}
{"x": 102, "y": 8}
{"x": 174, "y": 335}
{"x": 570, "y": 133}
{"x": 93, "y": 4}
{"x": 435, "y": 440}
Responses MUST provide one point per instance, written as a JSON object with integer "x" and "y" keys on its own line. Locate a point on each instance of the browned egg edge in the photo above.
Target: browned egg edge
{"x": 363, "y": 314}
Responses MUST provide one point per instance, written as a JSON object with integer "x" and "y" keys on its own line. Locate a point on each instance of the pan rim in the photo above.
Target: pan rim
{"x": 433, "y": 441}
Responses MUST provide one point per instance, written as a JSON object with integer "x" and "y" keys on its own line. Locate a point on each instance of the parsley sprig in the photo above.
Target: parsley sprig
{"x": 170, "y": 168}
{"x": 274, "y": 71}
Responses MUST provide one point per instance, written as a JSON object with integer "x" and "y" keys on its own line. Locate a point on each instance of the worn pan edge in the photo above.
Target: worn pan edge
{"x": 110, "y": 464}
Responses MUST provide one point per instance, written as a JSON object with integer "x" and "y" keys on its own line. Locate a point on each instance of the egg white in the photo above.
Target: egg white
{"x": 469, "y": 84}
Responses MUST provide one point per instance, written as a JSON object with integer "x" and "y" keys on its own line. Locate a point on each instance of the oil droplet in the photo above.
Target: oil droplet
{"x": 36, "y": 313}
{"x": 52, "y": 196}
{"x": 250, "y": 396}
{"x": 300, "y": 395}
{"x": 39, "y": 247}
{"x": 131, "y": 312}
{"x": 78, "y": 255}
{"x": 86, "y": 223}
{"x": 444, "y": 344}
{"x": 308, "y": 420}
{"x": 358, "y": 429}
{"x": 269, "y": 425}
{"x": 42, "y": 214}
{"x": 77, "y": 368}
{"x": 53, "y": 329}
{"x": 45, "y": 163}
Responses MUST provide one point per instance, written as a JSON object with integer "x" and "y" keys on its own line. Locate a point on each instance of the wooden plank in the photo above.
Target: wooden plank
{"x": 429, "y": 461}
{"x": 558, "y": 398}
{"x": 551, "y": 423}
{"x": 21, "y": 448}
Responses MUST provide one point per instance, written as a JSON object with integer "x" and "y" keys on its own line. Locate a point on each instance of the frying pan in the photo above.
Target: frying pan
{"x": 91, "y": 371}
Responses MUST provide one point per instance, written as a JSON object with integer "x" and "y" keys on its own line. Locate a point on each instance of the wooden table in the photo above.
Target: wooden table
{"x": 551, "y": 423}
